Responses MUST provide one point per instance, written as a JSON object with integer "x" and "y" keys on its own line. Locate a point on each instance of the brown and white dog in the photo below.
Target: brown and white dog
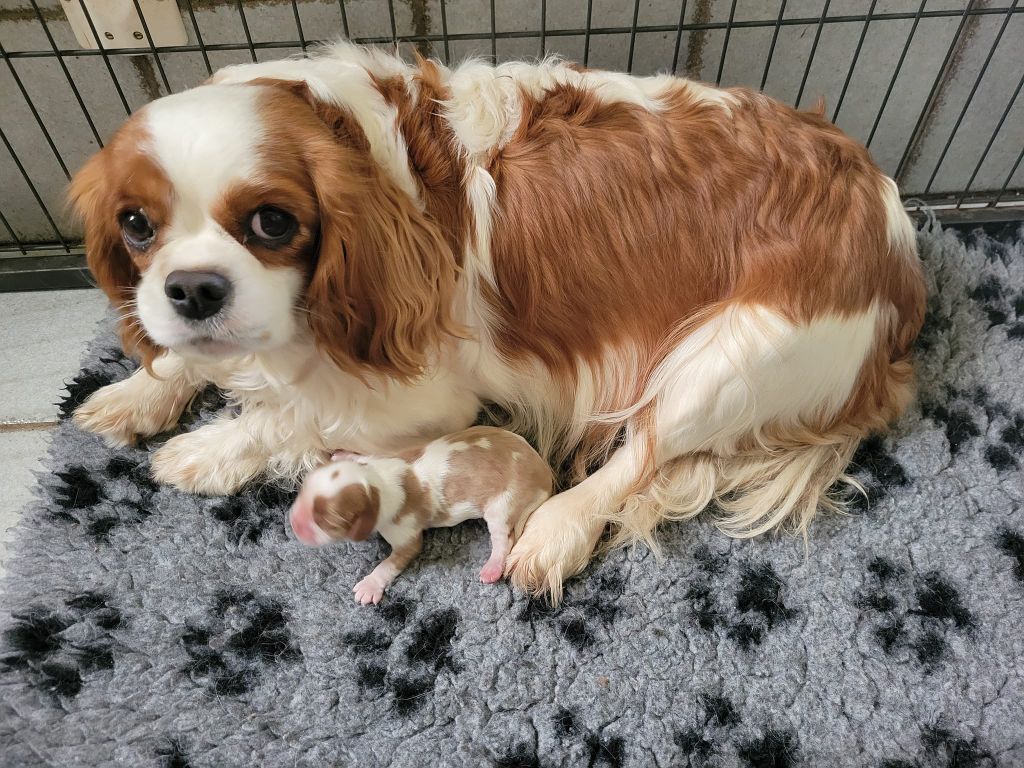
{"x": 715, "y": 292}
{"x": 480, "y": 472}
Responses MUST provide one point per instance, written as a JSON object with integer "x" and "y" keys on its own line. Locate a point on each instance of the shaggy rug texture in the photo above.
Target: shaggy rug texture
{"x": 146, "y": 627}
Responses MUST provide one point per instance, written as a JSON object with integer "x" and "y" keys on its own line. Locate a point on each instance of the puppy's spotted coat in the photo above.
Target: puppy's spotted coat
{"x": 478, "y": 472}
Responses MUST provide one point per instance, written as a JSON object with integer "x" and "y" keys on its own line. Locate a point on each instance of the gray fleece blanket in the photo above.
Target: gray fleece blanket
{"x": 146, "y": 627}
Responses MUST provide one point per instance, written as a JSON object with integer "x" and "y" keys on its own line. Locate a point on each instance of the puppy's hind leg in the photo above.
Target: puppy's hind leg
{"x": 498, "y": 516}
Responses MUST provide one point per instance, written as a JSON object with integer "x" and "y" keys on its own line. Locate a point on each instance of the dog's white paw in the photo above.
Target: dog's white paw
{"x": 556, "y": 544}
{"x": 114, "y": 413}
{"x": 139, "y": 406}
{"x": 206, "y": 461}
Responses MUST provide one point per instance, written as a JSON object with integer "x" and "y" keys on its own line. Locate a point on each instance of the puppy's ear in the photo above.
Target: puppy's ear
{"x": 105, "y": 252}
{"x": 381, "y": 295}
{"x": 351, "y": 513}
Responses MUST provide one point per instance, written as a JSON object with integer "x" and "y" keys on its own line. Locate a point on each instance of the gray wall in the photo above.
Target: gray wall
{"x": 700, "y": 56}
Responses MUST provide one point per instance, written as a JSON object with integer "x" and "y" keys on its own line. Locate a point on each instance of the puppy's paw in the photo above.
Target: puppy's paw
{"x": 205, "y": 462}
{"x": 492, "y": 570}
{"x": 369, "y": 590}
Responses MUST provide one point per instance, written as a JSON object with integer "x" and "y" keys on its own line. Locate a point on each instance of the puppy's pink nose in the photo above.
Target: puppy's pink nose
{"x": 301, "y": 519}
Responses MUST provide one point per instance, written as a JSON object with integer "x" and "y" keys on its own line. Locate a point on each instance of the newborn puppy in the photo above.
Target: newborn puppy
{"x": 478, "y": 472}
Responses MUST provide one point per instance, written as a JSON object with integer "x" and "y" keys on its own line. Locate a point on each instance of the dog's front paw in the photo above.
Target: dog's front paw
{"x": 556, "y": 544}
{"x": 113, "y": 413}
{"x": 139, "y": 406}
{"x": 205, "y": 462}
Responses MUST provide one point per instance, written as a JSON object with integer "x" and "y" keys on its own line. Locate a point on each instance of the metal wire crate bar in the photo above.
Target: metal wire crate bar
{"x": 932, "y": 87}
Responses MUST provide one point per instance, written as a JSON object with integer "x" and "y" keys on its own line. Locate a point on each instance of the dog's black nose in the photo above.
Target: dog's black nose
{"x": 197, "y": 295}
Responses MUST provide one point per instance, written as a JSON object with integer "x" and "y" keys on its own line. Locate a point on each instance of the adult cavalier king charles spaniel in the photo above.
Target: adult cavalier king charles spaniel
{"x": 714, "y": 294}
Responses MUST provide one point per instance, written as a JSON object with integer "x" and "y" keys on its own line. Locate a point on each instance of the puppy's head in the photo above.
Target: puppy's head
{"x": 228, "y": 219}
{"x": 337, "y": 501}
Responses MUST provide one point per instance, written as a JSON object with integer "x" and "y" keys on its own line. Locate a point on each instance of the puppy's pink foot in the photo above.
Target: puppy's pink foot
{"x": 369, "y": 590}
{"x": 343, "y": 455}
{"x": 492, "y": 570}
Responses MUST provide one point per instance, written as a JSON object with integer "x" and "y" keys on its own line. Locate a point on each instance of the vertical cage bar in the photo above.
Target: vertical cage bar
{"x": 933, "y": 92}
{"x": 494, "y": 35}
{"x": 34, "y": 191}
{"x": 67, "y": 74}
{"x": 394, "y": 26}
{"x": 853, "y": 62}
{"x": 970, "y": 96}
{"x": 810, "y": 57}
{"x": 991, "y": 141}
{"x": 14, "y": 235}
{"x": 152, "y": 46}
{"x": 632, "y": 36}
{"x": 725, "y": 43}
{"x": 35, "y": 113}
{"x": 586, "y": 34}
{"x": 679, "y": 36}
{"x": 896, "y": 73}
{"x": 298, "y": 25}
{"x": 199, "y": 37}
{"x": 1009, "y": 177}
{"x": 444, "y": 34}
{"x": 771, "y": 48}
{"x": 543, "y": 28}
{"x": 344, "y": 17}
{"x": 106, "y": 59}
{"x": 245, "y": 29}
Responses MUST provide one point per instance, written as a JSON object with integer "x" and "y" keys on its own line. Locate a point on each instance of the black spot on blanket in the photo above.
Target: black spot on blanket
{"x": 883, "y": 472}
{"x": 761, "y": 592}
{"x": 431, "y": 642}
{"x": 59, "y": 648}
{"x": 720, "y": 711}
{"x": 522, "y": 755}
{"x": 775, "y": 749}
{"x": 173, "y": 755}
{"x": 587, "y": 605}
{"x": 80, "y": 389}
{"x": 916, "y": 616}
{"x": 1000, "y": 457}
{"x": 1012, "y": 544}
{"x": 409, "y": 694}
{"x": 938, "y": 599}
{"x": 254, "y": 513}
{"x": 243, "y": 638}
{"x": 78, "y": 488}
{"x": 694, "y": 747}
{"x": 942, "y": 744}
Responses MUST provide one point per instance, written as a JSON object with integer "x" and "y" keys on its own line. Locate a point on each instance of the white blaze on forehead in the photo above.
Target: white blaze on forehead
{"x": 205, "y": 139}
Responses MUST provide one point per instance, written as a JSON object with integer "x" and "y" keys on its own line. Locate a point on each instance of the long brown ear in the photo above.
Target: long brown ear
{"x": 106, "y": 254}
{"x": 381, "y": 295}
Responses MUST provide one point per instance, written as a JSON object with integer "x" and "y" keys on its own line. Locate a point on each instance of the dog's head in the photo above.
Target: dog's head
{"x": 227, "y": 219}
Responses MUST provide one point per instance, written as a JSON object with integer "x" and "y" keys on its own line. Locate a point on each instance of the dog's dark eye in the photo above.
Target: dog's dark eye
{"x": 272, "y": 225}
{"x": 137, "y": 229}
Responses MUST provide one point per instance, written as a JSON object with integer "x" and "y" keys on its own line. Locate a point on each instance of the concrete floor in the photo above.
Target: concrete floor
{"x": 42, "y": 338}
